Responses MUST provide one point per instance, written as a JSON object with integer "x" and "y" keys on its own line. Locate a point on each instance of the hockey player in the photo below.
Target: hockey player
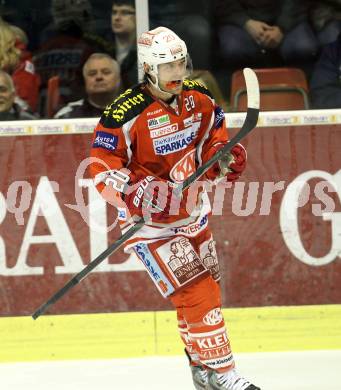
{"x": 147, "y": 142}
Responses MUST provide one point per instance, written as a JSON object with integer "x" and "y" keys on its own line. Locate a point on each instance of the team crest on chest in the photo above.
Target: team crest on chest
{"x": 183, "y": 168}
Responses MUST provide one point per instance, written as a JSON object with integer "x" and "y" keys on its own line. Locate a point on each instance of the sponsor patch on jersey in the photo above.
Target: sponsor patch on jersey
{"x": 154, "y": 112}
{"x": 164, "y": 130}
{"x": 193, "y": 229}
{"x": 208, "y": 255}
{"x": 124, "y": 107}
{"x": 192, "y": 119}
{"x": 121, "y": 214}
{"x": 153, "y": 268}
{"x": 158, "y": 121}
{"x": 219, "y": 117}
{"x": 181, "y": 259}
{"x": 176, "y": 142}
{"x": 183, "y": 168}
{"x": 188, "y": 121}
{"x": 105, "y": 140}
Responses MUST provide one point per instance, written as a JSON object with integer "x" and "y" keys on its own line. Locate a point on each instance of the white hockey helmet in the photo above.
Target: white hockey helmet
{"x": 160, "y": 46}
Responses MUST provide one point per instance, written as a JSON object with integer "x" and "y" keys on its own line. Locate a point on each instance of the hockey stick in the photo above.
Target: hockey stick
{"x": 249, "y": 124}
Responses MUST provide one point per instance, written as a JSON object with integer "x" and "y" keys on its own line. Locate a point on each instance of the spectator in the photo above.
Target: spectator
{"x": 68, "y": 16}
{"x": 9, "y": 110}
{"x": 65, "y": 45}
{"x": 190, "y": 19}
{"x": 16, "y": 60}
{"x": 102, "y": 84}
{"x": 251, "y": 32}
{"x": 123, "y": 25}
{"x": 326, "y": 20}
{"x": 325, "y": 86}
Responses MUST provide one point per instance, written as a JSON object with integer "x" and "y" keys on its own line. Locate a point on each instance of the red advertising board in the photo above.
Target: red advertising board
{"x": 278, "y": 230}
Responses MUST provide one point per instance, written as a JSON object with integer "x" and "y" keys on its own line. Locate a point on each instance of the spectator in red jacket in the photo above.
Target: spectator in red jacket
{"x": 64, "y": 47}
{"x": 26, "y": 80}
{"x": 16, "y": 60}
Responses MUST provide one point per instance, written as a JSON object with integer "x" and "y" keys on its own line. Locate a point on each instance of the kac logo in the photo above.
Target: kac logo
{"x": 184, "y": 168}
{"x": 213, "y": 317}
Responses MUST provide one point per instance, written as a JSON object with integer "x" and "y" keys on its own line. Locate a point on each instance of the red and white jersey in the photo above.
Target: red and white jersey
{"x": 144, "y": 134}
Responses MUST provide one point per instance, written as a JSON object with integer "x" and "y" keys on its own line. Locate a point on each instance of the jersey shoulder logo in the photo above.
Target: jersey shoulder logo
{"x": 190, "y": 85}
{"x": 125, "y": 107}
{"x": 105, "y": 140}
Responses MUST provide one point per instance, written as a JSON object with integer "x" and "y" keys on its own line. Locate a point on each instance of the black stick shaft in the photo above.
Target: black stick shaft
{"x": 94, "y": 263}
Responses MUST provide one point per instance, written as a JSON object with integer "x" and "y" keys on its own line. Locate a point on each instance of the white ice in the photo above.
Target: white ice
{"x": 314, "y": 370}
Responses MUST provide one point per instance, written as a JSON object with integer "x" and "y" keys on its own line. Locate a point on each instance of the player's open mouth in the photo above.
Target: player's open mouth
{"x": 174, "y": 84}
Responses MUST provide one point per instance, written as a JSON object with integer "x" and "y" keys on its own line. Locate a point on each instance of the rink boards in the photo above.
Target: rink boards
{"x": 278, "y": 238}
{"x": 119, "y": 335}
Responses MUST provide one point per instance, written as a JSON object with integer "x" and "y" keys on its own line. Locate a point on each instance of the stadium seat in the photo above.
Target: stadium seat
{"x": 53, "y": 96}
{"x": 280, "y": 89}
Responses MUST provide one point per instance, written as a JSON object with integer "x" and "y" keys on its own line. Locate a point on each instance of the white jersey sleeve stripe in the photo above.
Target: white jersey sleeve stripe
{"x": 125, "y": 129}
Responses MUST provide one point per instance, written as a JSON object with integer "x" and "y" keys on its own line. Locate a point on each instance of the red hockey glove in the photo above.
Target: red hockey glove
{"x": 148, "y": 194}
{"x": 230, "y": 165}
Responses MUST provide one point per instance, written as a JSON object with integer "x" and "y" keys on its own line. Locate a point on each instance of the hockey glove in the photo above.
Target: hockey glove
{"x": 147, "y": 195}
{"x": 231, "y": 165}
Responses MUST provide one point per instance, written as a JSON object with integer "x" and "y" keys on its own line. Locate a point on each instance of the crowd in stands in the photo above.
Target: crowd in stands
{"x": 102, "y": 81}
{"x": 91, "y": 47}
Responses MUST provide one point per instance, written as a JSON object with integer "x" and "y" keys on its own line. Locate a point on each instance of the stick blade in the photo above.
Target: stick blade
{"x": 252, "y": 87}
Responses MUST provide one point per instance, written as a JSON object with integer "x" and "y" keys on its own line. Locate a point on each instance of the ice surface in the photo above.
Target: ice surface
{"x": 314, "y": 370}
